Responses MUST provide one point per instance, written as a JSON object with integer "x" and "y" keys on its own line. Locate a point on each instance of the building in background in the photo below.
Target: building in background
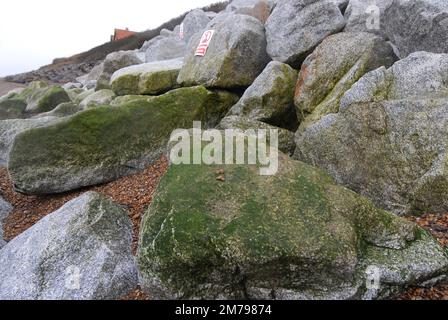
{"x": 121, "y": 34}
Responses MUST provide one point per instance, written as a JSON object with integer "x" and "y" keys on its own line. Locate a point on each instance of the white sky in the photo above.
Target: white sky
{"x": 34, "y": 32}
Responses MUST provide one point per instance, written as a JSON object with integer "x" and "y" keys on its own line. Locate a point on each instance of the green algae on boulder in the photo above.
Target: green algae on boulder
{"x": 46, "y": 99}
{"x": 104, "y": 143}
{"x": 270, "y": 98}
{"x": 147, "y": 79}
{"x": 294, "y": 235}
{"x": 38, "y": 97}
{"x": 12, "y": 108}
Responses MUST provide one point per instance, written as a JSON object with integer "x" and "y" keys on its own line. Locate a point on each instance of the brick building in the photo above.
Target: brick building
{"x": 121, "y": 34}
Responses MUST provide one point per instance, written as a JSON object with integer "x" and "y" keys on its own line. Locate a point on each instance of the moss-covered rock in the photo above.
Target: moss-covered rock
{"x": 46, "y": 99}
{"x": 104, "y": 143}
{"x": 293, "y": 235}
{"x": 10, "y": 128}
{"x": 12, "y": 108}
{"x": 63, "y": 110}
{"x": 121, "y": 100}
{"x": 270, "y": 98}
{"x": 147, "y": 79}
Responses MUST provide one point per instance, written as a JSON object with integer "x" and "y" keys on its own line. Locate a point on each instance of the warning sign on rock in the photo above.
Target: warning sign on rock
{"x": 204, "y": 43}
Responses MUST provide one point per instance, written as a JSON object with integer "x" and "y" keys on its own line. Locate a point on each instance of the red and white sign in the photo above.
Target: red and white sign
{"x": 181, "y": 31}
{"x": 205, "y": 42}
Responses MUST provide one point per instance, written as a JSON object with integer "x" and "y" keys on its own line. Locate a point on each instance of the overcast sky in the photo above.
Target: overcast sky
{"x": 34, "y": 32}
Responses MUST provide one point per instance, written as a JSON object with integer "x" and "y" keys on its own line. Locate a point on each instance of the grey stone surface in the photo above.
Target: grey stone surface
{"x": 165, "y": 48}
{"x": 101, "y": 97}
{"x": 195, "y": 21}
{"x": 336, "y": 64}
{"x": 260, "y": 9}
{"x": 286, "y": 143}
{"x": 418, "y": 25}
{"x": 5, "y": 210}
{"x": 367, "y": 16}
{"x": 80, "y": 252}
{"x": 235, "y": 56}
{"x": 296, "y": 27}
{"x": 270, "y": 98}
{"x": 116, "y": 61}
{"x": 389, "y": 139}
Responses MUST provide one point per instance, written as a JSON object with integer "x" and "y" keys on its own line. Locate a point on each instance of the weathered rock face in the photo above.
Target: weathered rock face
{"x": 46, "y": 99}
{"x": 286, "y": 142}
{"x": 194, "y": 22}
{"x": 235, "y": 56}
{"x": 293, "y": 235}
{"x": 367, "y": 16}
{"x": 147, "y": 79}
{"x": 171, "y": 45}
{"x": 63, "y": 110}
{"x": 38, "y": 97}
{"x": 104, "y": 143}
{"x": 418, "y": 25}
{"x": 296, "y": 27}
{"x": 260, "y": 9}
{"x": 80, "y": 252}
{"x": 9, "y": 129}
{"x": 5, "y": 210}
{"x": 342, "y": 4}
{"x": 337, "y": 63}
{"x": 98, "y": 98}
{"x": 389, "y": 139}
{"x": 165, "y": 48}
{"x": 116, "y": 61}
{"x": 270, "y": 98}
{"x": 12, "y": 108}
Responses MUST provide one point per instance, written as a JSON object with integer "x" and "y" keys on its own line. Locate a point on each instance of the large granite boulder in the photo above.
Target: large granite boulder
{"x": 105, "y": 143}
{"x": 9, "y": 129}
{"x": 418, "y": 25}
{"x": 147, "y": 79}
{"x": 286, "y": 143}
{"x": 116, "y": 61}
{"x": 44, "y": 99}
{"x": 80, "y": 252}
{"x": 260, "y": 9}
{"x": 337, "y": 63}
{"x": 194, "y": 22}
{"x": 367, "y": 16}
{"x": 292, "y": 235}
{"x": 5, "y": 210}
{"x": 270, "y": 98}
{"x": 296, "y": 27}
{"x": 101, "y": 97}
{"x": 165, "y": 48}
{"x": 390, "y": 137}
{"x": 235, "y": 57}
